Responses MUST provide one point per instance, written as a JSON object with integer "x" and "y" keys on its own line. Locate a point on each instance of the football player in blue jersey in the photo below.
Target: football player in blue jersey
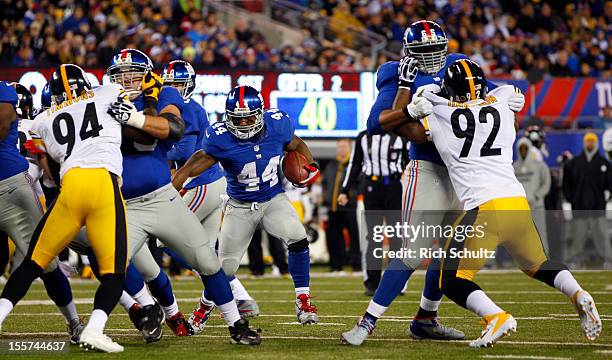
{"x": 249, "y": 144}
{"x": 203, "y": 194}
{"x": 21, "y": 209}
{"x": 153, "y": 124}
{"x": 428, "y": 193}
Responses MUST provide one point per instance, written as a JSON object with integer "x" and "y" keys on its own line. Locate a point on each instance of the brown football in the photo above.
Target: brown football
{"x": 293, "y": 167}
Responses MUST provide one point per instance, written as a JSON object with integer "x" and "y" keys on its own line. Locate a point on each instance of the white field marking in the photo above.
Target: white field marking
{"x": 317, "y": 324}
{"x": 524, "y": 357}
{"x": 406, "y": 339}
{"x": 364, "y": 301}
{"x": 608, "y": 287}
{"x": 603, "y": 352}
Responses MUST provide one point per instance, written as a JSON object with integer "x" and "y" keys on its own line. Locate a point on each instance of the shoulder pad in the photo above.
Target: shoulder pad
{"x": 386, "y": 74}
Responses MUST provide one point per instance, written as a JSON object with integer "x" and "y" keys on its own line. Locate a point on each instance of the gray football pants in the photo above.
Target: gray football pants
{"x": 164, "y": 215}
{"x": 428, "y": 196}
{"x": 20, "y": 212}
{"x": 277, "y": 217}
{"x": 206, "y": 202}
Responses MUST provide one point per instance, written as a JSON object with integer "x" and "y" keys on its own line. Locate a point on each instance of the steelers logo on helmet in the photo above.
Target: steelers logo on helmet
{"x": 464, "y": 81}
{"x": 68, "y": 82}
{"x": 426, "y": 42}
{"x": 24, "y": 102}
{"x": 128, "y": 68}
{"x": 180, "y": 75}
{"x": 244, "y": 112}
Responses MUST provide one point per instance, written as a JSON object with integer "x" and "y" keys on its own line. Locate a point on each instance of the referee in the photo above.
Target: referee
{"x": 381, "y": 159}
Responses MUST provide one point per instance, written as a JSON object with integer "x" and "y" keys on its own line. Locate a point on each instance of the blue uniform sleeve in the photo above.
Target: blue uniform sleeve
{"x": 208, "y": 144}
{"x": 182, "y": 150}
{"x": 282, "y": 125}
{"x": 386, "y": 83}
{"x": 170, "y": 96}
{"x": 8, "y": 93}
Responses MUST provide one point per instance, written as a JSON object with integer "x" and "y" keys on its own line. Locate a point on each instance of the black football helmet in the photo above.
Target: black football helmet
{"x": 68, "y": 82}
{"x": 25, "y": 104}
{"x": 463, "y": 81}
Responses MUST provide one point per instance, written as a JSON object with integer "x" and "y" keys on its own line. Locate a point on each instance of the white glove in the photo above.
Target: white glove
{"x": 407, "y": 71}
{"x": 516, "y": 102}
{"x": 125, "y": 112}
{"x": 419, "y": 107}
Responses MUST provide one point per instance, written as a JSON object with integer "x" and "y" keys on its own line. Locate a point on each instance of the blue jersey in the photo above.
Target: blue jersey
{"x": 387, "y": 85}
{"x": 145, "y": 167}
{"x": 11, "y": 160}
{"x": 196, "y": 122}
{"x": 252, "y": 167}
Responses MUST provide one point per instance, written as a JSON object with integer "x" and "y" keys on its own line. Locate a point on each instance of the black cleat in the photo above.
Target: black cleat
{"x": 242, "y": 334}
{"x": 152, "y": 323}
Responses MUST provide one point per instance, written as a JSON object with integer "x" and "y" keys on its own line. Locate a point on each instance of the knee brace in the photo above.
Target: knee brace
{"x": 548, "y": 271}
{"x": 298, "y": 246}
{"x": 457, "y": 289}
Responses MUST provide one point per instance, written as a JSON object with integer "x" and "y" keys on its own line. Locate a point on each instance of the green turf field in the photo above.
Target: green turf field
{"x": 548, "y": 327}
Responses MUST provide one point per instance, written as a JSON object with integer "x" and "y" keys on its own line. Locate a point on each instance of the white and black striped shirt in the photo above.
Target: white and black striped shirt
{"x": 376, "y": 156}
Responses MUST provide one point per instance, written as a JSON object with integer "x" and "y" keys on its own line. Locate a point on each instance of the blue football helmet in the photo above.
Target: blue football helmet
{"x": 45, "y": 97}
{"x": 180, "y": 74}
{"x": 244, "y": 112}
{"x": 426, "y": 41}
{"x": 128, "y": 68}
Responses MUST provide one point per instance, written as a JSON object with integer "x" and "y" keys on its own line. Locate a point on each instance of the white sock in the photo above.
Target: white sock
{"x": 126, "y": 301}
{"x": 69, "y": 311}
{"x": 375, "y": 309}
{"x": 206, "y": 302}
{"x": 171, "y": 310}
{"x": 230, "y": 312}
{"x": 143, "y": 297}
{"x": 565, "y": 282}
{"x": 5, "y": 308}
{"x": 481, "y": 304}
{"x": 97, "y": 320}
{"x": 240, "y": 293}
{"x": 429, "y": 305}
{"x": 302, "y": 290}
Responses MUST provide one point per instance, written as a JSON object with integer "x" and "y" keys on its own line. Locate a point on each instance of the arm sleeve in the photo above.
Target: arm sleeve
{"x": 354, "y": 165}
{"x": 182, "y": 150}
{"x": 8, "y": 94}
{"x": 170, "y": 96}
{"x": 288, "y": 128}
{"x": 384, "y": 101}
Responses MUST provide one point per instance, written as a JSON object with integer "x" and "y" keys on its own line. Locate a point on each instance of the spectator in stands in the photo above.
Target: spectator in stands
{"x": 586, "y": 177}
{"x": 534, "y": 175}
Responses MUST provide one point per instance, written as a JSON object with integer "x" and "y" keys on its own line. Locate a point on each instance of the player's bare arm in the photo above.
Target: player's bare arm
{"x": 7, "y": 116}
{"x": 197, "y": 164}
{"x": 297, "y": 144}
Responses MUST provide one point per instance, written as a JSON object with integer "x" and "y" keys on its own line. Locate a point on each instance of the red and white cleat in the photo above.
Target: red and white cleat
{"x": 305, "y": 311}
{"x": 200, "y": 316}
{"x": 179, "y": 325}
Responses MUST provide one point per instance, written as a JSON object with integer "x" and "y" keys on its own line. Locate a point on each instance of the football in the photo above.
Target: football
{"x": 293, "y": 167}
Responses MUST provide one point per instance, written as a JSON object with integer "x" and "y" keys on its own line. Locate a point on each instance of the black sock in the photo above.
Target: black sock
{"x": 425, "y": 314}
{"x": 108, "y": 293}
{"x": 19, "y": 283}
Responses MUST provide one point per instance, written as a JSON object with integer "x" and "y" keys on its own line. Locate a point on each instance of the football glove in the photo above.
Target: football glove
{"x": 151, "y": 86}
{"x": 125, "y": 113}
{"x": 407, "y": 72}
{"x": 419, "y": 107}
{"x": 516, "y": 102}
{"x": 313, "y": 175}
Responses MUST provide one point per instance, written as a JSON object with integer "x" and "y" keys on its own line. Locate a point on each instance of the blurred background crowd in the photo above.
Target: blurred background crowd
{"x": 507, "y": 37}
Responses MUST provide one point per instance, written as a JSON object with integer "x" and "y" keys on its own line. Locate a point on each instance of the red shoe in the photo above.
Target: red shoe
{"x": 179, "y": 325}
{"x": 305, "y": 311}
{"x": 200, "y": 316}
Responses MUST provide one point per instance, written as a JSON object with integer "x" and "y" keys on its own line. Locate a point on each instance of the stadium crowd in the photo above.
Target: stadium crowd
{"x": 561, "y": 38}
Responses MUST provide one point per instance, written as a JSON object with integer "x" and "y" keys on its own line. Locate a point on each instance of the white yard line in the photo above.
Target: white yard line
{"x": 524, "y": 357}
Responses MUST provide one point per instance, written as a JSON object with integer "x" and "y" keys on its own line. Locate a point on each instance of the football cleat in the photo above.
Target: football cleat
{"x": 358, "y": 333}
{"x": 152, "y": 323}
{"x": 305, "y": 311}
{"x": 92, "y": 340}
{"x": 420, "y": 329}
{"x": 75, "y": 328}
{"x": 589, "y": 317}
{"x": 200, "y": 316}
{"x": 136, "y": 315}
{"x": 179, "y": 325}
{"x": 242, "y": 334}
{"x": 247, "y": 308}
{"x": 497, "y": 326}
